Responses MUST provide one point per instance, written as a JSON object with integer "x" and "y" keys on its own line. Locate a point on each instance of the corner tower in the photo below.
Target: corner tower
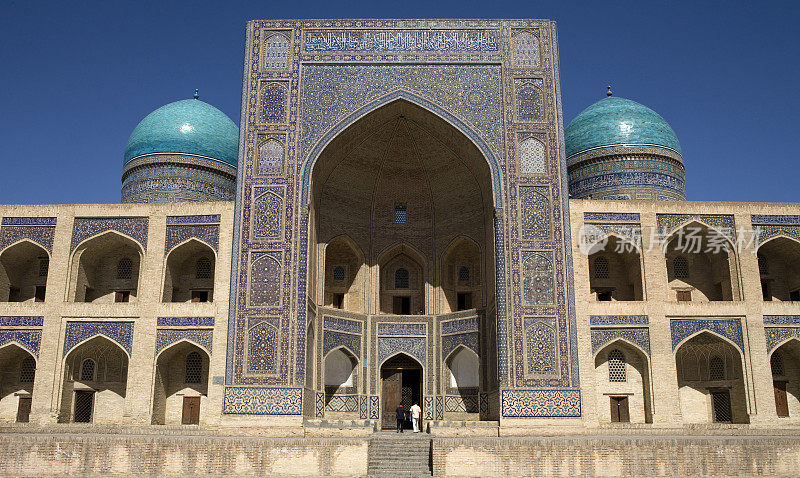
{"x": 183, "y": 151}
{"x": 620, "y": 149}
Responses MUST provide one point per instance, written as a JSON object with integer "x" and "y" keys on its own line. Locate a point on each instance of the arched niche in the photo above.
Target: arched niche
{"x": 17, "y": 374}
{"x": 105, "y": 268}
{"x": 98, "y": 396}
{"x": 462, "y": 384}
{"x": 701, "y": 265}
{"x": 622, "y": 376}
{"x": 23, "y": 272}
{"x": 779, "y": 269}
{"x": 344, "y": 275}
{"x": 400, "y": 174}
{"x": 785, "y": 368}
{"x": 180, "y": 383}
{"x": 462, "y": 281}
{"x": 711, "y": 384}
{"x": 341, "y": 383}
{"x": 615, "y": 270}
{"x": 402, "y": 282}
{"x": 189, "y": 273}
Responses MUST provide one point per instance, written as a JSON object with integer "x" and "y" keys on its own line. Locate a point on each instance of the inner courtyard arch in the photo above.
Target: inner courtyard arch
{"x": 779, "y": 269}
{"x": 23, "y": 272}
{"x": 401, "y": 383}
{"x": 105, "y": 268}
{"x": 785, "y": 367}
{"x": 615, "y": 271}
{"x": 622, "y": 375}
{"x": 180, "y": 384}
{"x": 17, "y": 374}
{"x": 189, "y": 273}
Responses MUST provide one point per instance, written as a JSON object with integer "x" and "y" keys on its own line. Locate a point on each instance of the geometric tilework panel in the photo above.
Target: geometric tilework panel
{"x": 21, "y": 321}
{"x": 134, "y": 227}
{"x": 596, "y": 232}
{"x": 28, "y": 339}
{"x": 469, "y": 340}
{"x": 532, "y": 159}
{"x": 775, "y": 219}
{"x": 208, "y": 234}
{"x": 525, "y": 49}
{"x": 612, "y": 216}
{"x": 461, "y": 403}
{"x": 319, "y": 404}
{"x": 167, "y": 337}
{"x": 722, "y": 222}
{"x": 385, "y": 329}
{"x": 764, "y": 233}
{"x": 537, "y": 278}
{"x": 535, "y": 212}
{"x": 782, "y": 320}
{"x": 427, "y": 408}
{"x": 777, "y": 335}
{"x": 276, "y": 51}
{"x": 185, "y": 321}
{"x": 540, "y": 403}
{"x": 42, "y": 235}
{"x": 636, "y": 335}
{"x": 530, "y": 104}
{"x": 342, "y": 325}
{"x": 267, "y": 212}
{"x": 262, "y": 401}
{"x": 439, "y": 414}
{"x": 270, "y": 157}
{"x": 374, "y": 407}
{"x": 342, "y": 403}
{"x": 119, "y": 332}
{"x": 540, "y": 338}
{"x": 274, "y": 98}
{"x": 265, "y": 280}
{"x": 412, "y": 346}
{"x": 196, "y": 219}
{"x": 333, "y": 340}
{"x": 728, "y": 328}
{"x": 262, "y": 346}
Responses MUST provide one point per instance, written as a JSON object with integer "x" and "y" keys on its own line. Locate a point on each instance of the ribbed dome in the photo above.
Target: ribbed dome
{"x": 186, "y": 126}
{"x": 615, "y": 121}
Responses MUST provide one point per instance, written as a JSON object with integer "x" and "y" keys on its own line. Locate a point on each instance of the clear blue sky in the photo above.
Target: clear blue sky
{"x": 76, "y": 78}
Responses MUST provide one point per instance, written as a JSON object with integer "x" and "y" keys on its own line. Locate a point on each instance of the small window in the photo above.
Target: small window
{"x": 199, "y": 296}
{"x": 338, "y": 273}
{"x": 684, "y": 295}
{"x": 680, "y": 267}
{"x": 194, "y": 367}
{"x": 87, "y": 370}
{"x": 763, "y": 267}
{"x": 776, "y": 362}
{"x": 338, "y": 301}
{"x": 601, "y": 268}
{"x": 122, "y": 296}
{"x": 203, "y": 268}
{"x": 27, "y": 371}
{"x": 716, "y": 368}
{"x": 604, "y": 296}
{"x": 44, "y": 267}
{"x": 464, "y": 300}
{"x": 616, "y": 367}
{"x": 400, "y": 214}
{"x": 463, "y": 274}
{"x": 40, "y": 293}
{"x": 125, "y": 269}
{"x": 401, "y": 279}
{"x": 14, "y": 294}
{"x": 794, "y": 295}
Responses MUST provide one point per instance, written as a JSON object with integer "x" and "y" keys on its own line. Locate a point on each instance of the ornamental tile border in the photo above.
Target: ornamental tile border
{"x": 619, "y": 320}
{"x": 723, "y": 223}
{"x": 782, "y": 320}
{"x": 22, "y": 321}
{"x": 639, "y": 336}
{"x": 786, "y": 220}
{"x": 775, "y": 336}
{"x": 29, "y": 221}
{"x": 134, "y": 227}
{"x": 363, "y": 409}
{"x": 374, "y": 408}
{"x": 427, "y": 407}
{"x": 767, "y": 232}
{"x": 611, "y": 216}
{"x": 319, "y": 404}
{"x": 205, "y": 233}
{"x": 201, "y": 219}
{"x": 728, "y": 328}
{"x": 185, "y": 321}
{"x": 78, "y": 332}
{"x": 42, "y": 235}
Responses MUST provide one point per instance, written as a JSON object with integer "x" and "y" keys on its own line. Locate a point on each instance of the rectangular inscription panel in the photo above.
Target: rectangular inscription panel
{"x": 401, "y": 40}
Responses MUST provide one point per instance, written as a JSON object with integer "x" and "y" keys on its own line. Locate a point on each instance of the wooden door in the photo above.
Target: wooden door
{"x": 781, "y": 404}
{"x": 391, "y": 389}
{"x": 24, "y": 409}
{"x": 619, "y": 410}
{"x": 191, "y": 411}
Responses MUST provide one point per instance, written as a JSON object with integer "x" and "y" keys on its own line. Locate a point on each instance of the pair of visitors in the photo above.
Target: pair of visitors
{"x": 413, "y": 413}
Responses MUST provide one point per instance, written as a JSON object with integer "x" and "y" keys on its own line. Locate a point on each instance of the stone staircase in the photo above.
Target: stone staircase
{"x": 392, "y": 454}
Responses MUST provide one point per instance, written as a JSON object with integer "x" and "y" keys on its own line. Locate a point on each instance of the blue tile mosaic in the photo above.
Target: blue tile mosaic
{"x": 619, "y": 320}
{"x": 185, "y": 321}
{"x": 168, "y": 337}
{"x": 133, "y": 227}
{"x": 78, "y": 332}
{"x": 27, "y": 339}
{"x": 782, "y": 320}
{"x": 776, "y": 336}
{"x": 540, "y": 403}
{"x": 639, "y": 336}
{"x": 611, "y": 216}
{"x": 728, "y": 328}
{"x": 22, "y": 321}
{"x": 262, "y": 401}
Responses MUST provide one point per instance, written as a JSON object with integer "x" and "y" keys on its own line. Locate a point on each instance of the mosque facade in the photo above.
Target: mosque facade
{"x": 401, "y": 217}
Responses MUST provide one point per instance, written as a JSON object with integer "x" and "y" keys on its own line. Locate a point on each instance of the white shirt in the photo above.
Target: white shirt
{"x": 415, "y": 411}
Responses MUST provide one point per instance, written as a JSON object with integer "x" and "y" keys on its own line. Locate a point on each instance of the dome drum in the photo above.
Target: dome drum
{"x": 176, "y": 178}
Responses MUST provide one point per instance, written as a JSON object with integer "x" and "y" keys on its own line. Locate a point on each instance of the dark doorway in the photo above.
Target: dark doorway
{"x": 24, "y": 410}
{"x": 191, "y": 411}
{"x": 84, "y": 403}
{"x": 781, "y": 404}
{"x": 401, "y": 382}
{"x": 619, "y": 410}
{"x": 722, "y": 406}
{"x": 401, "y": 305}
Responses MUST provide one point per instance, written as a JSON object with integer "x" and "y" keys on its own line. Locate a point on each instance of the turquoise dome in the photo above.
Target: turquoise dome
{"x": 614, "y": 121}
{"x": 186, "y": 126}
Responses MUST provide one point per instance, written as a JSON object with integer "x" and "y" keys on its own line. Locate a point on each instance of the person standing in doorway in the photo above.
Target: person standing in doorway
{"x": 401, "y": 417}
{"x": 415, "y": 413}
